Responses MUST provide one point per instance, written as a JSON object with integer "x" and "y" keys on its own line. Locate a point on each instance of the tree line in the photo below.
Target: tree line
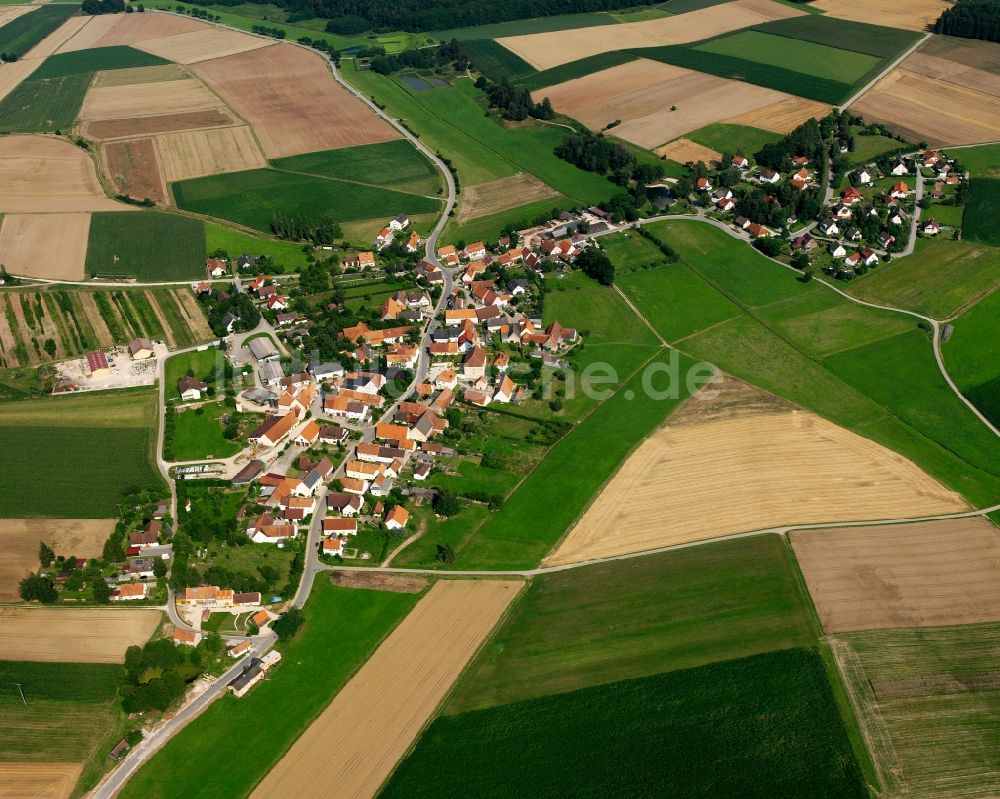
{"x": 971, "y": 19}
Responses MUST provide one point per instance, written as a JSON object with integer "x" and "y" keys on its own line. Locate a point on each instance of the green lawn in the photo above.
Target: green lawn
{"x": 41, "y": 106}
{"x": 198, "y": 434}
{"x": 106, "y": 437}
{"x": 204, "y": 364}
{"x": 868, "y": 148}
{"x": 807, "y": 58}
{"x": 641, "y": 616}
{"x": 629, "y": 251}
{"x": 762, "y": 726}
{"x": 147, "y": 245}
{"x": 288, "y": 254}
{"x": 394, "y": 164}
{"x": 19, "y": 35}
{"x": 930, "y": 696}
{"x": 940, "y": 278}
{"x": 736, "y": 139}
{"x": 343, "y": 627}
{"x": 94, "y": 59}
{"x": 983, "y": 161}
{"x": 253, "y": 197}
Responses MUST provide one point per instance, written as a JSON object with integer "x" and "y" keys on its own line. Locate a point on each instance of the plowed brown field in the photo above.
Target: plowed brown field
{"x": 98, "y": 635}
{"x": 202, "y": 45}
{"x": 52, "y": 246}
{"x": 783, "y": 116}
{"x": 546, "y": 50}
{"x": 44, "y": 174}
{"x": 142, "y": 99}
{"x": 914, "y": 15}
{"x": 19, "y": 540}
{"x": 641, "y": 94}
{"x": 904, "y": 575}
{"x": 685, "y": 151}
{"x": 737, "y": 472}
{"x": 144, "y": 126}
{"x": 38, "y": 780}
{"x": 292, "y": 101}
{"x": 499, "y": 195}
{"x": 355, "y": 743}
{"x": 208, "y": 152}
{"x": 134, "y": 169}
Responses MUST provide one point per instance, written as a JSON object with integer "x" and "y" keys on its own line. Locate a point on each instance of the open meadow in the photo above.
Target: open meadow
{"x": 923, "y": 574}
{"x": 98, "y": 635}
{"x": 971, "y": 355}
{"x": 343, "y": 627}
{"x": 928, "y": 701}
{"x": 378, "y": 715}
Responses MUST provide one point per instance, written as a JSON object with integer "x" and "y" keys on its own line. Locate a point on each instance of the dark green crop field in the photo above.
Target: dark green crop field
{"x": 576, "y": 69}
{"x": 41, "y": 106}
{"x": 95, "y": 60}
{"x": 981, "y": 211}
{"x": 763, "y": 726}
{"x": 495, "y": 61}
{"x": 19, "y": 35}
{"x": 146, "y": 245}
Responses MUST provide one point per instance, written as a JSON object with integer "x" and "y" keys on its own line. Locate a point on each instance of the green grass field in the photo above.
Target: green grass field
{"x": 70, "y": 713}
{"x": 940, "y": 279}
{"x": 576, "y": 69}
{"x": 198, "y": 434}
{"x": 929, "y": 698}
{"x": 202, "y": 363}
{"x": 394, "y": 164}
{"x": 106, "y": 436}
{"x": 495, "y": 61}
{"x": 880, "y": 383}
{"x": 807, "y": 58}
{"x": 94, "y": 60}
{"x": 982, "y": 161}
{"x": 981, "y": 211}
{"x": 762, "y": 726}
{"x": 632, "y": 618}
{"x": 41, "y": 106}
{"x": 288, "y": 254}
{"x": 519, "y": 27}
{"x": 252, "y": 198}
{"x": 859, "y": 37}
{"x": 146, "y": 245}
{"x": 868, "y": 148}
{"x": 19, "y": 35}
{"x": 343, "y": 627}
{"x": 971, "y": 356}
{"x": 736, "y": 139}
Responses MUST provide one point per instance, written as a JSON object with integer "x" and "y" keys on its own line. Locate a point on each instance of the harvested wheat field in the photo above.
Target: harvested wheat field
{"x": 208, "y": 152}
{"x": 725, "y": 465}
{"x": 40, "y": 174}
{"x": 499, "y": 195}
{"x": 8, "y": 13}
{"x": 134, "y": 28}
{"x": 685, "y": 151}
{"x": 924, "y": 574}
{"x": 52, "y": 246}
{"x": 19, "y": 540}
{"x": 914, "y": 15}
{"x": 91, "y": 33}
{"x": 641, "y": 93}
{"x": 925, "y": 109}
{"x": 105, "y": 129}
{"x": 38, "y": 780}
{"x": 291, "y": 100}
{"x": 133, "y": 168}
{"x": 201, "y": 45}
{"x": 193, "y": 314}
{"x": 139, "y": 75}
{"x": 546, "y": 50}
{"x": 356, "y": 742}
{"x": 147, "y": 99}
{"x": 56, "y": 39}
{"x": 783, "y": 116}
{"x": 73, "y": 635}
{"x": 11, "y": 75}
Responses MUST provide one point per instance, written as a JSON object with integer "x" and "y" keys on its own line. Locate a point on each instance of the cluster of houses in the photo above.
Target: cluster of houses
{"x": 396, "y": 226}
{"x": 145, "y": 547}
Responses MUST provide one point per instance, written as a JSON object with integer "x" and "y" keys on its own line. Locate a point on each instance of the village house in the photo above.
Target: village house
{"x": 190, "y": 388}
{"x": 206, "y": 596}
{"x": 216, "y": 267}
{"x": 740, "y": 162}
{"x": 401, "y": 222}
{"x": 148, "y": 536}
{"x": 361, "y": 260}
{"x": 344, "y": 503}
{"x": 397, "y": 518}
{"x": 128, "y": 592}
{"x": 273, "y": 429}
{"x": 900, "y": 190}
{"x": 931, "y": 227}
{"x": 863, "y": 177}
{"x": 239, "y": 649}
{"x": 837, "y": 250}
{"x": 140, "y": 349}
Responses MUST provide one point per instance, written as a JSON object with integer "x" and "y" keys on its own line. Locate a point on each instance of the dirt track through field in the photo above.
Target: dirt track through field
{"x": 134, "y": 169}
{"x": 148, "y": 99}
{"x": 19, "y": 540}
{"x": 909, "y": 575}
{"x": 726, "y": 470}
{"x": 73, "y": 635}
{"x": 52, "y": 246}
{"x": 208, "y": 152}
{"x": 38, "y": 780}
{"x": 783, "y": 116}
{"x": 42, "y": 174}
{"x": 685, "y": 151}
{"x": 641, "y": 94}
{"x": 499, "y": 195}
{"x": 914, "y": 15}
{"x": 292, "y": 101}
{"x": 546, "y": 50}
{"x": 356, "y": 742}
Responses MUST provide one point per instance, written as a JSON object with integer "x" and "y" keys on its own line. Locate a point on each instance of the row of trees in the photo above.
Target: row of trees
{"x": 321, "y": 230}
